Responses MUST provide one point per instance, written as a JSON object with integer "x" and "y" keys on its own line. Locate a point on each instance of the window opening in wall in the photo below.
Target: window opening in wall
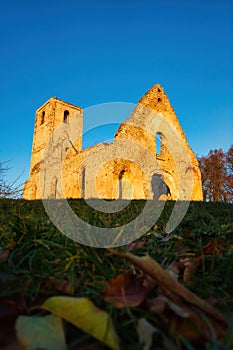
{"x": 55, "y": 188}
{"x": 83, "y": 182}
{"x": 65, "y": 117}
{"x": 53, "y": 193}
{"x": 42, "y": 118}
{"x": 158, "y": 143}
{"x": 120, "y": 183}
{"x": 159, "y": 186}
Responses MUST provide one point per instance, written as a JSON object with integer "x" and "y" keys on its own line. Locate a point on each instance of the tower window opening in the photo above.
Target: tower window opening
{"x": 158, "y": 143}
{"x": 65, "y": 117}
{"x": 42, "y": 118}
{"x": 120, "y": 184}
{"x": 159, "y": 90}
{"x": 121, "y": 174}
{"x": 54, "y": 193}
{"x": 159, "y": 99}
{"x": 83, "y": 181}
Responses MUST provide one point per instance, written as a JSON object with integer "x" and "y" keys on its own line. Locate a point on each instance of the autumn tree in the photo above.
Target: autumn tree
{"x": 8, "y": 189}
{"x": 229, "y": 168}
{"x": 217, "y": 175}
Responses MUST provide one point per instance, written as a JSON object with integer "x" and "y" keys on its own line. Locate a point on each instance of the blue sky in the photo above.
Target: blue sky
{"x": 95, "y": 52}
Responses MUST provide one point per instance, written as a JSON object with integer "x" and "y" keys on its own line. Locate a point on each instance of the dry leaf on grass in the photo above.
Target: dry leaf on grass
{"x": 159, "y": 304}
{"x": 54, "y": 284}
{"x": 4, "y": 253}
{"x": 181, "y": 301}
{"x": 82, "y": 313}
{"x": 188, "y": 262}
{"x": 130, "y": 247}
{"x": 127, "y": 290}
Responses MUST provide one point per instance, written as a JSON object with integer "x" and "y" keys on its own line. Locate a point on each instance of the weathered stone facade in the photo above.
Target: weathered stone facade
{"x": 129, "y": 168}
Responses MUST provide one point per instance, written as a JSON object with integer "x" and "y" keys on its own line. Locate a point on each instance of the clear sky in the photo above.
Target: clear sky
{"x": 92, "y": 52}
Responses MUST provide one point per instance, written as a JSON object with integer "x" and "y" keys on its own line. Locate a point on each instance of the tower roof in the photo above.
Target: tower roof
{"x": 59, "y": 101}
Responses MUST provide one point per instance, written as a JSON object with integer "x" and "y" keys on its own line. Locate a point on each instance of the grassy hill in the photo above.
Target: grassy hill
{"x": 37, "y": 261}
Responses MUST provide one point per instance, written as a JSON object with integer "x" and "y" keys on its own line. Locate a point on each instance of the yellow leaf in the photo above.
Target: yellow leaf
{"x": 85, "y": 315}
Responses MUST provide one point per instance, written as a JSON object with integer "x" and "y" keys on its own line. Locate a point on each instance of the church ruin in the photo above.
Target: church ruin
{"x": 149, "y": 158}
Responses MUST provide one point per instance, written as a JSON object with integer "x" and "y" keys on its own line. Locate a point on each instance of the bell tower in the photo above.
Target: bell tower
{"x": 48, "y": 117}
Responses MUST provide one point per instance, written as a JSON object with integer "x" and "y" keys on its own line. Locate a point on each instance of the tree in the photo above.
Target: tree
{"x": 229, "y": 167}
{"x": 8, "y": 189}
{"x": 217, "y": 175}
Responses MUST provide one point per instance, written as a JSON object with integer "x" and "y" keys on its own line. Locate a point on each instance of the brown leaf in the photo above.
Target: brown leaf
{"x": 11, "y": 244}
{"x": 165, "y": 282}
{"x": 174, "y": 270}
{"x": 188, "y": 329}
{"x": 54, "y": 284}
{"x": 185, "y": 232}
{"x": 192, "y": 261}
{"x": 4, "y": 254}
{"x": 212, "y": 248}
{"x": 127, "y": 290}
{"x": 134, "y": 245}
{"x": 159, "y": 304}
{"x": 189, "y": 266}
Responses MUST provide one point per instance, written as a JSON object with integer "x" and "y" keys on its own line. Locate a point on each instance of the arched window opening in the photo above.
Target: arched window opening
{"x": 121, "y": 174}
{"x": 42, "y": 118}
{"x": 83, "y": 182}
{"x": 65, "y": 117}
{"x": 158, "y": 143}
{"x": 159, "y": 99}
{"x": 120, "y": 184}
{"x": 159, "y": 187}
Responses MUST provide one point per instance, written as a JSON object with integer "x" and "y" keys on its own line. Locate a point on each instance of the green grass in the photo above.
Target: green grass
{"x": 38, "y": 250}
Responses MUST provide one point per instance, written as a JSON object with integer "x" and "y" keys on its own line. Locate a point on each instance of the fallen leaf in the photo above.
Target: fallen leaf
{"x": 4, "y": 253}
{"x": 41, "y": 332}
{"x": 85, "y": 315}
{"x": 189, "y": 262}
{"x": 145, "y": 332}
{"x": 54, "y": 284}
{"x": 173, "y": 270}
{"x": 212, "y": 248}
{"x": 134, "y": 245}
{"x": 189, "y": 266}
{"x": 127, "y": 290}
{"x": 167, "y": 283}
{"x": 159, "y": 304}
{"x": 185, "y": 232}
{"x": 189, "y": 329}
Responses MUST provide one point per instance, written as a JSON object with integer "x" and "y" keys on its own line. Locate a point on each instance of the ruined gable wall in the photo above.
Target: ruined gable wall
{"x": 156, "y": 100}
{"x": 176, "y": 161}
